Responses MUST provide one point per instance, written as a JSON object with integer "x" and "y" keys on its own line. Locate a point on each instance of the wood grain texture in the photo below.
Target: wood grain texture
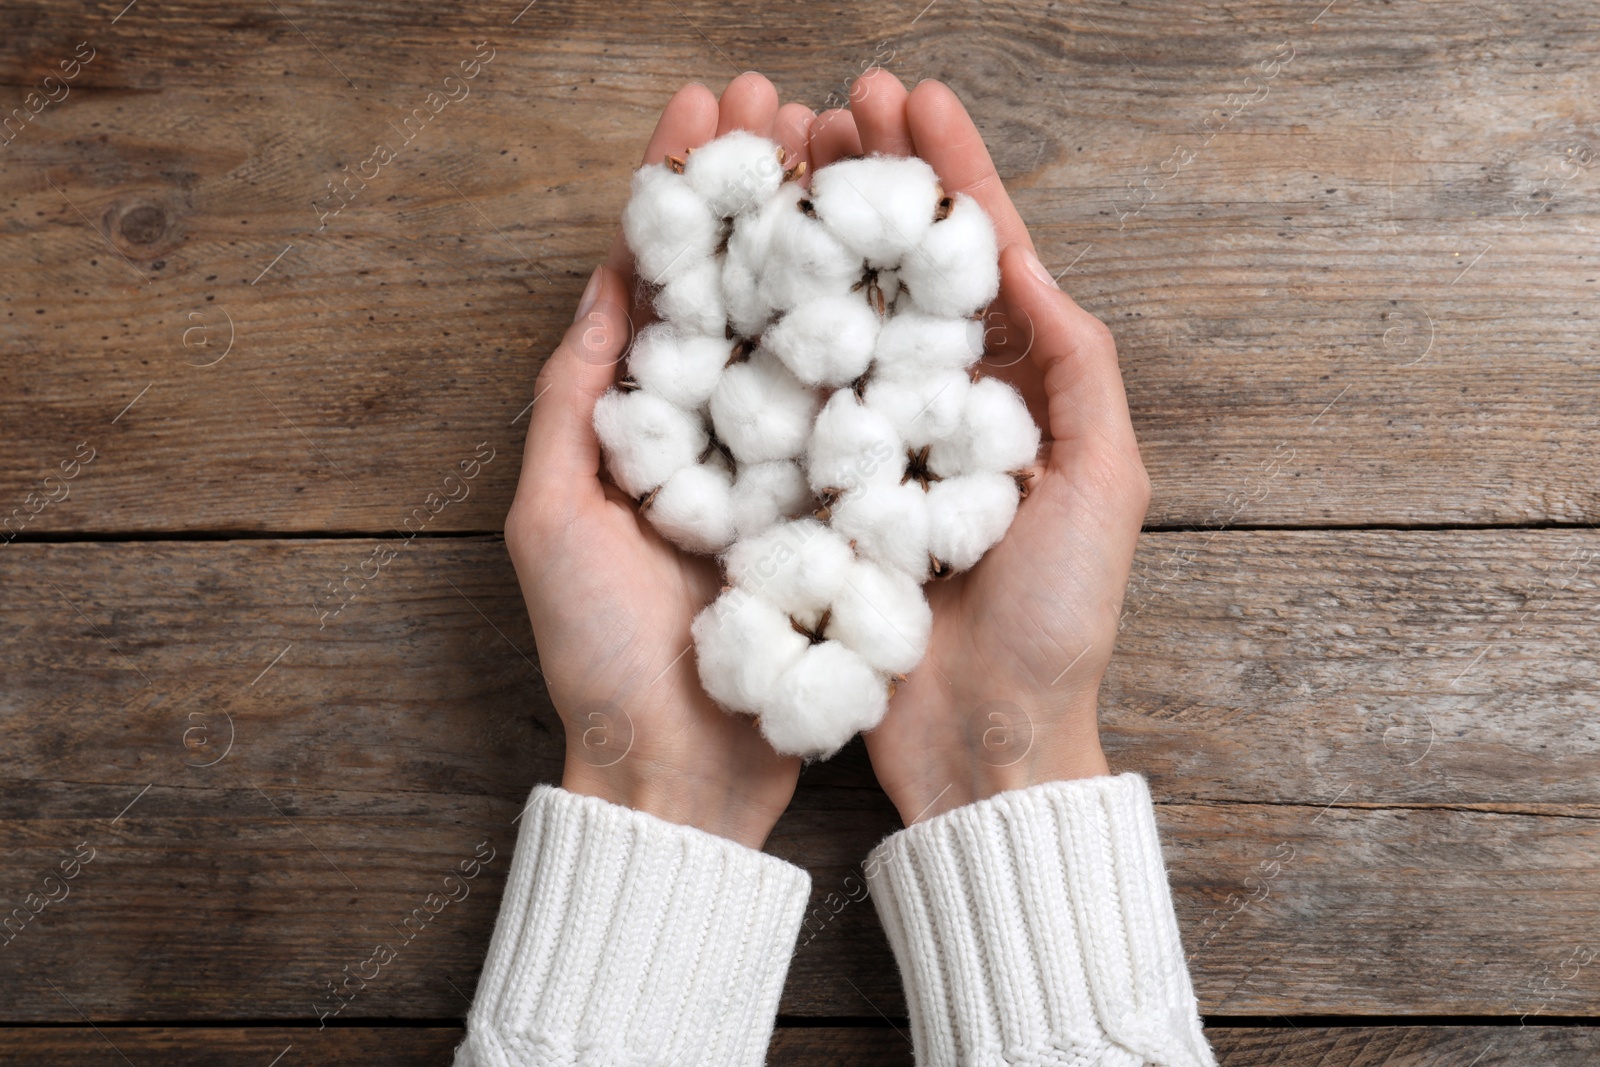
{"x": 822, "y": 1046}
{"x": 1357, "y": 291}
{"x": 1326, "y": 858}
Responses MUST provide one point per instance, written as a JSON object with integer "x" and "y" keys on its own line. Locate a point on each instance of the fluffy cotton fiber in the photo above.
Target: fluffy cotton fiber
{"x": 967, "y": 514}
{"x": 955, "y": 270}
{"x": 852, "y": 445}
{"x": 694, "y": 508}
{"x": 804, "y": 410}
{"x": 735, "y": 173}
{"x": 668, "y": 226}
{"x": 826, "y": 341}
{"x": 880, "y": 613}
{"x": 995, "y": 433}
{"x": 646, "y": 439}
{"x": 742, "y": 645}
{"x": 761, "y": 411}
{"x": 680, "y": 368}
{"x": 822, "y": 700}
{"x": 879, "y": 207}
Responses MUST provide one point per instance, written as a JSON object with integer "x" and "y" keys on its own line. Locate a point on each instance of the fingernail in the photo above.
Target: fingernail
{"x": 591, "y": 293}
{"x": 1039, "y": 271}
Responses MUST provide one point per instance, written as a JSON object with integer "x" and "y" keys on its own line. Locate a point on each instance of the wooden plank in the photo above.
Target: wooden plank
{"x": 820, "y": 1046}
{"x": 1405, "y": 1046}
{"x": 180, "y": 1046}
{"x": 1360, "y": 296}
{"x": 372, "y": 755}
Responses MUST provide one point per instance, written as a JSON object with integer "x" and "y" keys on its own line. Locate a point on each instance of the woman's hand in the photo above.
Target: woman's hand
{"x": 1005, "y": 697}
{"x": 610, "y": 601}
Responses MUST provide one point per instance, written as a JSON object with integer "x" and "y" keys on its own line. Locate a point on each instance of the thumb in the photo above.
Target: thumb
{"x": 562, "y": 456}
{"x": 1073, "y": 351}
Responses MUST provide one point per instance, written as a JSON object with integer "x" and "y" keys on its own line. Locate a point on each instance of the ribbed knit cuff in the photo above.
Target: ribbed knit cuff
{"x": 1036, "y": 927}
{"x": 625, "y": 939}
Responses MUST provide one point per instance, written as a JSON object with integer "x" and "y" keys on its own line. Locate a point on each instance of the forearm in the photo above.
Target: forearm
{"x": 623, "y": 938}
{"x": 1038, "y": 923}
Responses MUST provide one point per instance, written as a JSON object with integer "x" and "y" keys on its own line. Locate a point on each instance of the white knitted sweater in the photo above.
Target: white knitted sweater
{"x": 1034, "y": 927}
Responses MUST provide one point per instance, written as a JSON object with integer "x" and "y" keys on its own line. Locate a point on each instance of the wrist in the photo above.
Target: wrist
{"x": 675, "y": 797}
{"x": 1005, "y": 748}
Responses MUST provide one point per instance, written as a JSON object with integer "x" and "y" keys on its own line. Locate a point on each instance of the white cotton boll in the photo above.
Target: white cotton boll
{"x": 694, "y": 508}
{"x": 996, "y": 434}
{"x": 761, "y": 411}
{"x": 749, "y": 247}
{"x": 796, "y": 566}
{"x": 682, "y": 368}
{"x": 852, "y": 445}
{"x": 823, "y": 700}
{"x": 804, "y": 260}
{"x": 967, "y": 515}
{"x": 669, "y": 227}
{"x": 923, "y": 408}
{"x": 646, "y": 439}
{"x": 880, "y": 207}
{"x": 828, "y": 341}
{"x": 913, "y": 342}
{"x": 693, "y": 301}
{"x": 742, "y": 645}
{"x": 766, "y": 494}
{"x": 955, "y": 268}
{"x": 735, "y": 173}
{"x": 881, "y": 614}
{"x": 888, "y": 524}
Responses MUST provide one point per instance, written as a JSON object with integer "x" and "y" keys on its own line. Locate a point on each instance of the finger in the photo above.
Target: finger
{"x": 748, "y": 103}
{"x": 945, "y": 136}
{"x": 561, "y": 461}
{"x": 1074, "y": 352}
{"x": 688, "y": 121}
{"x": 792, "y": 130}
{"x": 833, "y": 137}
{"x": 878, "y": 102}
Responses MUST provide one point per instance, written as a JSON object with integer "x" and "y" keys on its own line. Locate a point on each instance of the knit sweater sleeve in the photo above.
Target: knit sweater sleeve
{"x": 1035, "y": 927}
{"x": 625, "y": 939}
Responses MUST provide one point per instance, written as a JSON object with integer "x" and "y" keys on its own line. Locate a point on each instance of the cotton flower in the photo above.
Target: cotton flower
{"x": 761, "y": 411}
{"x": 955, "y": 269}
{"x": 765, "y": 494}
{"x": 881, "y": 615}
{"x": 668, "y": 226}
{"x": 827, "y": 341}
{"x": 805, "y": 260}
{"x": 804, "y": 411}
{"x": 742, "y": 644}
{"x": 852, "y": 445}
{"x": 735, "y": 173}
{"x": 923, "y": 408}
{"x": 677, "y": 366}
{"x": 694, "y": 508}
{"x": 646, "y": 439}
{"x": 880, "y": 207}
{"x": 967, "y": 514}
{"x": 995, "y": 433}
{"x": 821, "y": 701}
{"x": 693, "y": 301}
{"x": 888, "y": 524}
{"x": 913, "y": 342}
{"x": 749, "y": 251}
{"x": 796, "y": 566}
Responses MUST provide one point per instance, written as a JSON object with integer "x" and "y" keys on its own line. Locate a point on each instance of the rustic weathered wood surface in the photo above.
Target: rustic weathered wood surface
{"x": 1291, "y": 263}
{"x": 1359, "y": 290}
{"x": 1348, "y": 832}
{"x": 823, "y": 1046}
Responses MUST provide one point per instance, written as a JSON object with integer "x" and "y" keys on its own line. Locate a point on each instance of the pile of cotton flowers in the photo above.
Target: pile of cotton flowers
{"x": 808, "y": 409}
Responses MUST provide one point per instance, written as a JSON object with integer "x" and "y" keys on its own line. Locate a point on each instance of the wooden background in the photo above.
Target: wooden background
{"x": 1356, "y": 308}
